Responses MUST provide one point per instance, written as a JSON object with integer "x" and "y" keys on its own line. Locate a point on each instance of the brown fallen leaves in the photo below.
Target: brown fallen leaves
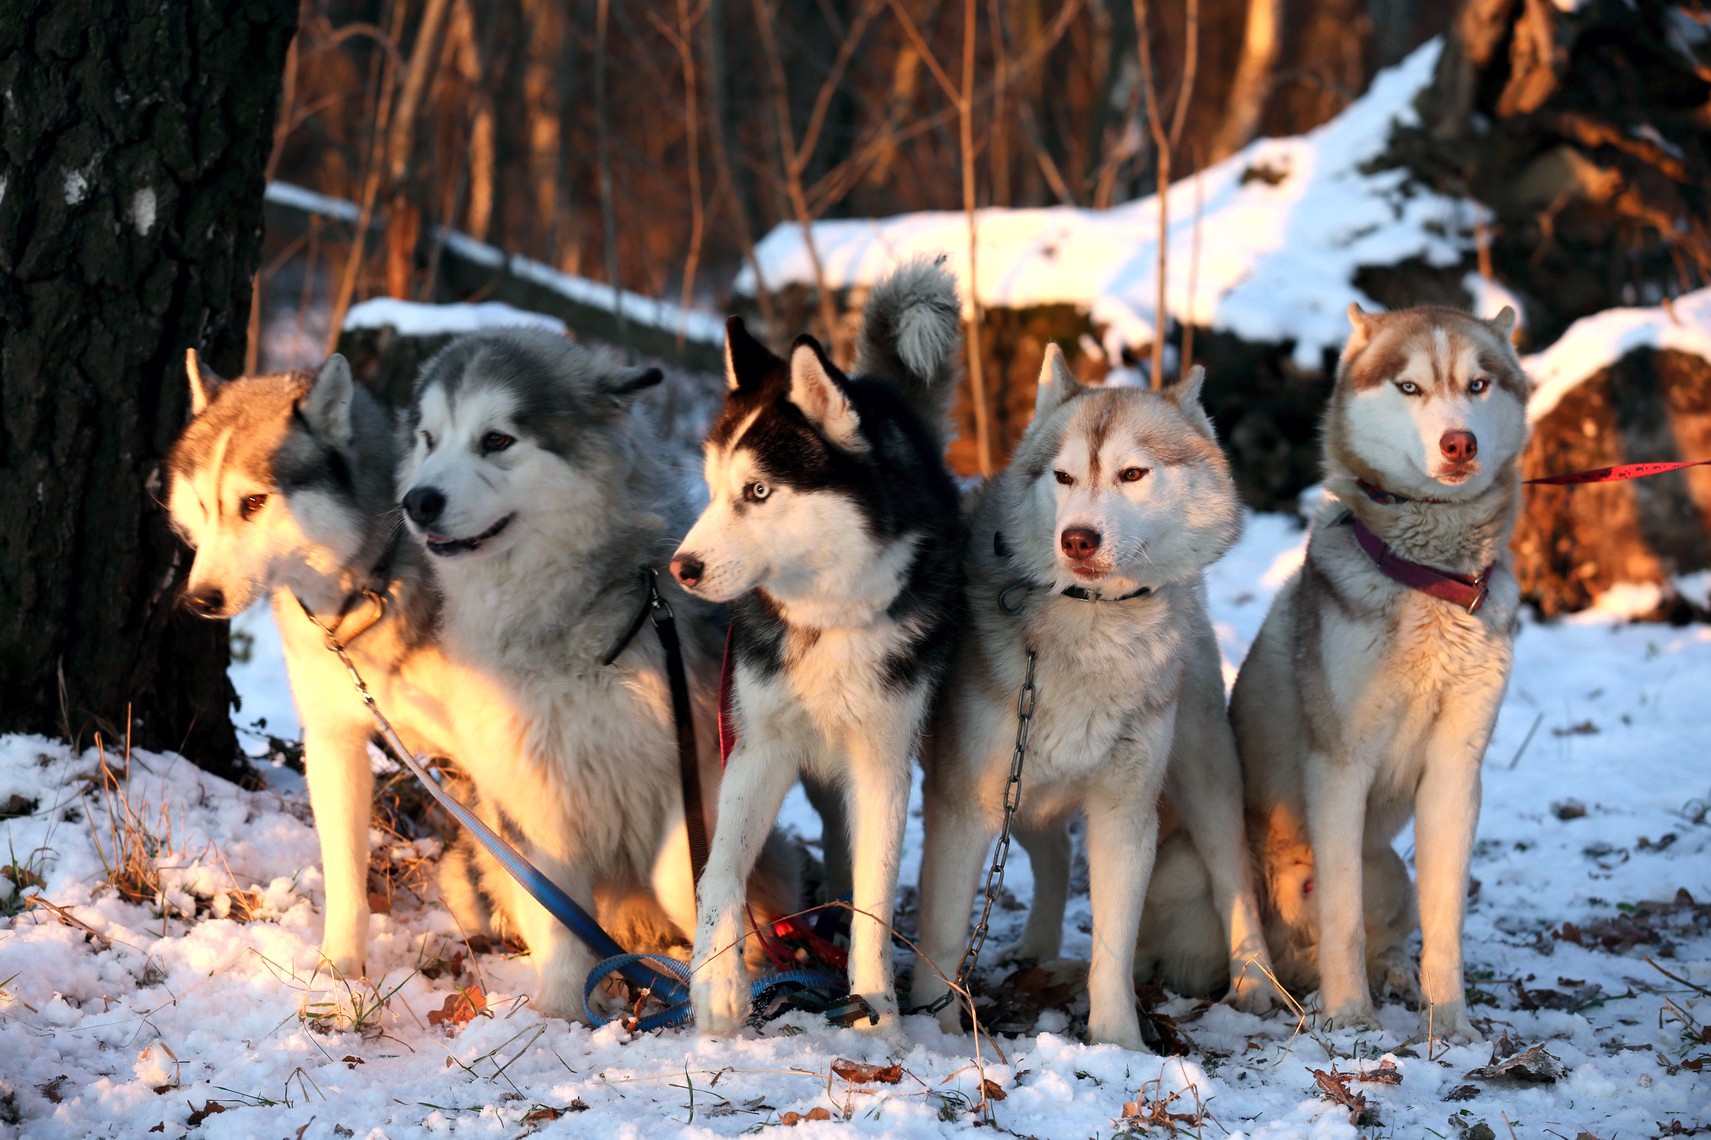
{"x": 793, "y": 1118}
{"x": 461, "y": 1007}
{"x": 862, "y": 1074}
{"x": 1335, "y": 1086}
{"x": 1513, "y": 1060}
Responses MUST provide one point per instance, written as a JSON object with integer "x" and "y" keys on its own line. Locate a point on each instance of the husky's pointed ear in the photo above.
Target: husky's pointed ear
{"x": 205, "y": 383}
{"x": 747, "y": 360}
{"x": 1363, "y": 323}
{"x": 816, "y": 392}
{"x": 327, "y": 404}
{"x": 1503, "y": 324}
{"x": 1056, "y": 387}
{"x": 1185, "y": 394}
{"x": 625, "y": 382}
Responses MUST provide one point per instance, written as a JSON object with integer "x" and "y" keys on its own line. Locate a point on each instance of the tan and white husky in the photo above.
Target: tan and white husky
{"x": 1088, "y": 551}
{"x": 1370, "y": 694}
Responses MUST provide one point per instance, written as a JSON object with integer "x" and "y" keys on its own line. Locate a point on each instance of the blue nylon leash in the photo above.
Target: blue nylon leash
{"x": 663, "y": 979}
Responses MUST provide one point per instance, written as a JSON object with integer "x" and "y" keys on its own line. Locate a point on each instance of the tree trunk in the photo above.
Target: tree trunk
{"x": 131, "y": 170}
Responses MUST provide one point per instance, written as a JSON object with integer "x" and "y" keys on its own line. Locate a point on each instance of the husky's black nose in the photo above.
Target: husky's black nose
{"x": 209, "y": 601}
{"x": 687, "y": 568}
{"x": 1079, "y": 541}
{"x": 424, "y": 504}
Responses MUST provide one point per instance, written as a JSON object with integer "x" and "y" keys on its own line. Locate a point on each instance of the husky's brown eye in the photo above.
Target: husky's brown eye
{"x": 495, "y": 441}
{"x": 1133, "y": 474}
{"x": 428, "y": 440}
{"x": 756, "y": 492}
{"x": 1409, "y": 388}
{"x": 1478, "y": 384}
{"x": 1064, "y": 477}
{"x": 250, "y": 505}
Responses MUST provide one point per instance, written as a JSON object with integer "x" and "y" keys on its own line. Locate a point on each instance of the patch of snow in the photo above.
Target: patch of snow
{"x": 1593, "y": 343}
{"x": 142, "y": 210}
{"x": 413, "y": 318}
{"x": 693, "y": 324}
{"x": 1490, "y": 297}
{"x": 288, "y": 194}
{"x": 147, "y": 1014}
{"x": 1285, "y": 225}
{"x": 76, "y": 187}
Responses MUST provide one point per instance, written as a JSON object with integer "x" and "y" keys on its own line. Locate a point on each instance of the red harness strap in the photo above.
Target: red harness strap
{"x": 1615, "y": 474}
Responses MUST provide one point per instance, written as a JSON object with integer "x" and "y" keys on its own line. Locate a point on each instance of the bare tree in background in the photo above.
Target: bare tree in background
{"x": 130, "y": 231}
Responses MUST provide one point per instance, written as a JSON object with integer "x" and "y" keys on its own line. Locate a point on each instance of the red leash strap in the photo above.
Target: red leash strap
{"x": 1615, "y": 474}
{"x": 727, "y": 722}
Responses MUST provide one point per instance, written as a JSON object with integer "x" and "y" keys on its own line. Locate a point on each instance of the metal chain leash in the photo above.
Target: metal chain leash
{"x": 995, "y": 873}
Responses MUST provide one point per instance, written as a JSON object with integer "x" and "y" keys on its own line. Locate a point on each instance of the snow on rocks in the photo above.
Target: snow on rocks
{"x": 1594, "y": 343}
{"x": 416, "y": 318}
{"x": 209, "y": 1018}
{"x": 1284, "y": 224}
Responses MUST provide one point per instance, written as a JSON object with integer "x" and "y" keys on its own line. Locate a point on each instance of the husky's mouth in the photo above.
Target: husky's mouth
{"x": 1456, "y": 476}
{"x": 447, "y": 547}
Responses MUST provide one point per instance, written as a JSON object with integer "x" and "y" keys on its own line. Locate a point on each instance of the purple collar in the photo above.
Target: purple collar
{"x": 1468, "y": 593}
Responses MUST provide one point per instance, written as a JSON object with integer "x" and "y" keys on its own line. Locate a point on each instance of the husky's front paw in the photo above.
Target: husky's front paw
{"x": 344, "y": 945}
{"x": 1118, "y": 1027}
{"x": 1351, "y": 1015}
{"x": 558, "y": 992}
{"x": 720, "y": 993}
{"x": 1254, "y": 993}
{"x": 1393, "y": 973}
{"x": 1448, "y": 1022}
{"x": 1027, "y": 950}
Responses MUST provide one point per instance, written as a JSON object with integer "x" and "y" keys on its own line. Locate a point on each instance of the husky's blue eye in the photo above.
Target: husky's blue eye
{"x": 250, "y": 505}
{"x": 1478, "y": 384}
{"x": 1409, "y": 388}
{"x": 495, "y": 441}
{"x": 756, "y": 492}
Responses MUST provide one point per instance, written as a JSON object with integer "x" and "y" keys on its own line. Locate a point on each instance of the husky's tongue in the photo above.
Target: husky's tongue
{"x": 446, "y": 547}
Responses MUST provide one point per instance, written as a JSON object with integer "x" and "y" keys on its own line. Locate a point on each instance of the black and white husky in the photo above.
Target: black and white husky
{"x": 832, "y": 530}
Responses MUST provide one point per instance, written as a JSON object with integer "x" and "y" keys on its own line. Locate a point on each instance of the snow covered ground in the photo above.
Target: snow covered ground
{"x": 197, "y": 1008}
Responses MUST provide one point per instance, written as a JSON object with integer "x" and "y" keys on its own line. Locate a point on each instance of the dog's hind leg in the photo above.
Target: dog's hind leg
{"x": 1181, "y": 938}
{"x": 341, "y": 790}
{"x": 562, "y": 961}
{"x": 1050, "y": 854}
{"x": 828, "y": 800}
{"x": 957, "y": 837}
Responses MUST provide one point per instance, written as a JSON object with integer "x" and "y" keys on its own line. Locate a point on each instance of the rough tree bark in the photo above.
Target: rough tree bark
{"x": 131, "y": 167}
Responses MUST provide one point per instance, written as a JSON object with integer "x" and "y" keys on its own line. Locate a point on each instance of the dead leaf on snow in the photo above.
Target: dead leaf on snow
{"x": 862, "y": 1074}
{"x": 1512, "y": 1060}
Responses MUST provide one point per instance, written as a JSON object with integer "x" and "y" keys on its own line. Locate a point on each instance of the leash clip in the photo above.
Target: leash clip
{"x": 1478, "y": 602}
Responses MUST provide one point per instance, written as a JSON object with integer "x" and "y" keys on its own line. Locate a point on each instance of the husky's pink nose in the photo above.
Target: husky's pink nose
{"x": 1079, "y": 541}
{"x": 687, "y": 568}
{"x": 1459, "y": 446}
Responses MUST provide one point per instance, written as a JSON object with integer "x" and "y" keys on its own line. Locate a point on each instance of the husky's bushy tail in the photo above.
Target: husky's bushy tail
{"x": 909, "y": 335}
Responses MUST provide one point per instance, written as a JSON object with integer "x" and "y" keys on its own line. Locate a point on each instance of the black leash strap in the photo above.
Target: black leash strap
{"x": 655, "y": 606}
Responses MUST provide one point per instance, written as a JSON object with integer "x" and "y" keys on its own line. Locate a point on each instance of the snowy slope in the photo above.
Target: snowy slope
{"x": 1593, "y": 343}
{"x": 1283, "y": 226}
{"x": 138, "y": 1014}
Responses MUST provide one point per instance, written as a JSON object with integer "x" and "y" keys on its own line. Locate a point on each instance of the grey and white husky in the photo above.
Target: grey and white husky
{"x": 1370, "y": 694}
{"x": 284, "y": 485}
{"x": 1086, "y": 555}
{"x": 537, "y": 481}
{"x": 832, "y": 530}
